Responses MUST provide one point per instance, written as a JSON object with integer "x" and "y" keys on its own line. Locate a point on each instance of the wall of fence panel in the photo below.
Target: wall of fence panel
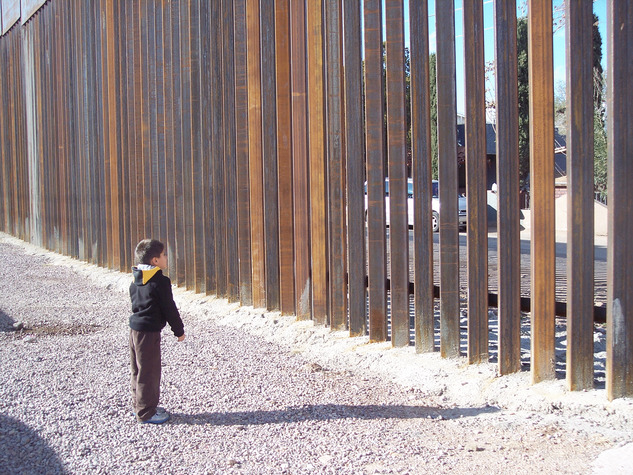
{"x": 240, "y": 133}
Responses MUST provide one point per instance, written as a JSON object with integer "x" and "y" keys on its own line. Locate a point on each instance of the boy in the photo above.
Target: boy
{"x": 152, "y": 306}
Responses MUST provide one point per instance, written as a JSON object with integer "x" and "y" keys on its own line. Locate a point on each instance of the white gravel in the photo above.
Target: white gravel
{"x": 255, "y": 392}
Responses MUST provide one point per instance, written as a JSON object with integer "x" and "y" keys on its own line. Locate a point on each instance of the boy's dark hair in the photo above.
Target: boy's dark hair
{"x": 147, "y": 249}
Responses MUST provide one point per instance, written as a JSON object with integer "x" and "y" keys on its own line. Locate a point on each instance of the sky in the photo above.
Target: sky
{"x": 599, "y": 8}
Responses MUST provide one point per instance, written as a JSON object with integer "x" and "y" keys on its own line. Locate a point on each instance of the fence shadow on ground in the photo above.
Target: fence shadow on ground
{"x": 6, "y": 322}
{"x": 327, "y": 412}
{"x": 24, "y": 451}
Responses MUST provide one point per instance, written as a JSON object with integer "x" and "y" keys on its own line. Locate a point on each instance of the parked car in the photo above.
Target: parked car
{"x": 435, "y": 205}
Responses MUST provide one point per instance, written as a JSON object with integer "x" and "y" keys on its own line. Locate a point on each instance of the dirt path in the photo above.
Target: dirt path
{"x": 254, "y": 392}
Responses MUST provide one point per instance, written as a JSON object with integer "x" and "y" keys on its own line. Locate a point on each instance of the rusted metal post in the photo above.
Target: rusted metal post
{"x": 447, "y": 150}
{"x": 4, "y": 138}
{"x": 580, "y": 259}
{"x": 198, "y": 147}
{"x": 230, "y": 154}
{"x": 219, "y": 233}
{"x": 136, "y": 184}
{"x": 508, "y": 247}
{"x": 542, "y": 187}
{"x": 92, "y": 231}
{"x": 284, "y": 153}
{"x": 210, "y": 52}
{"x": 158, "y": 127}
{"x": 300, "y": 163}
{"x": 620, "y": 186}
{"x": 317, "y": 154}
{"x": 110, "y": 141}
{"x": 186, "y": 122}
{"x": 421, "y": 172}
{"x": 476, "y": 183}
{"x": 123, "y": 126}
{"x": 170, "y": 146}
{"x": 258, "y": 249}
{"x": 398, "y": 187}
{"x": 61, "y": 128}
{"x": 335, "y": 123}
{"x": 355, "y": 159}
{"x": 269, "y": 152}
{"x": 374, "y": 112}
{"x": 241, "y": 152}
{"x": 178, "y": 112}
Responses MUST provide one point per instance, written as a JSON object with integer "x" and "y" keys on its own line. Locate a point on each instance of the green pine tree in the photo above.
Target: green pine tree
{"x": 433, "y": 89}
{"x": 524, "y": 97}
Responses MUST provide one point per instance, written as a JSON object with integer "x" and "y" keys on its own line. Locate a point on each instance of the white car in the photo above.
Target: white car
{"x": 435, "y": 205}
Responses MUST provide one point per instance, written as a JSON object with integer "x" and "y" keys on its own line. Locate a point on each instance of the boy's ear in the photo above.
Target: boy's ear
{"x": 154, "y": 261}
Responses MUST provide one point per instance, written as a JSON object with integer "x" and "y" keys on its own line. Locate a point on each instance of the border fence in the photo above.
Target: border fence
{"x": 249, "y": 134}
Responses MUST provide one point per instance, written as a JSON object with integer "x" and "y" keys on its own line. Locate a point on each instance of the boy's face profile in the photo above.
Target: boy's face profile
{"x": 160, "y": 261}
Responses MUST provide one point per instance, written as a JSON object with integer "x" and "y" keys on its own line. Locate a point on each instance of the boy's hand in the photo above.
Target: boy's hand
{"x": 181, "y": 337}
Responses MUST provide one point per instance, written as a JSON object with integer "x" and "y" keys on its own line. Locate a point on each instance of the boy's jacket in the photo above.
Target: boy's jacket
{"x": 153, "y": 302}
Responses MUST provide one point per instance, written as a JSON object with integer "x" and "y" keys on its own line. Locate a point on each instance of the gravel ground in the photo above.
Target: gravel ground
{"x": 254, "y": 392}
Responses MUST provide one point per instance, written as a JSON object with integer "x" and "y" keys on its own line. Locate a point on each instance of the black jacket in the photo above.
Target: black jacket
{"x": 153, "y": 302}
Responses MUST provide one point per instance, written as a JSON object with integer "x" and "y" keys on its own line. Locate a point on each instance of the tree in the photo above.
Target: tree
{"x": 433, "y": 91}
{"x": 407, "y": 101}
{"x": 599, "y": 154}
{"x": 599, "y": 117}
{"x": 598, "y": 73}
{"x": 600, "y": 134}
{"x": 524, "y": 98}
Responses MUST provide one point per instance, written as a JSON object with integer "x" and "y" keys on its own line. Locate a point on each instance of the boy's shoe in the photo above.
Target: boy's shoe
{"x": 159, "y": 410}
{"x": 157, "y": 418}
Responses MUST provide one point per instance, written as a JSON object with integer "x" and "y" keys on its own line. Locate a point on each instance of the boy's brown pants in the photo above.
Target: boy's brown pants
{"x": 145, "y": 365}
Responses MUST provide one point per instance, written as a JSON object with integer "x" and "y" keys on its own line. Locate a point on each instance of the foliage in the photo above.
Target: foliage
{"x": 598, "y": 73}
{"x": 559, "y": 104}
{"x": 523, "y": 97}
{"x": 560, "y": 109}
{"x": 600, "y": 134}
{"x": 433, "y": 91}
{"x": 600, "y": 154}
